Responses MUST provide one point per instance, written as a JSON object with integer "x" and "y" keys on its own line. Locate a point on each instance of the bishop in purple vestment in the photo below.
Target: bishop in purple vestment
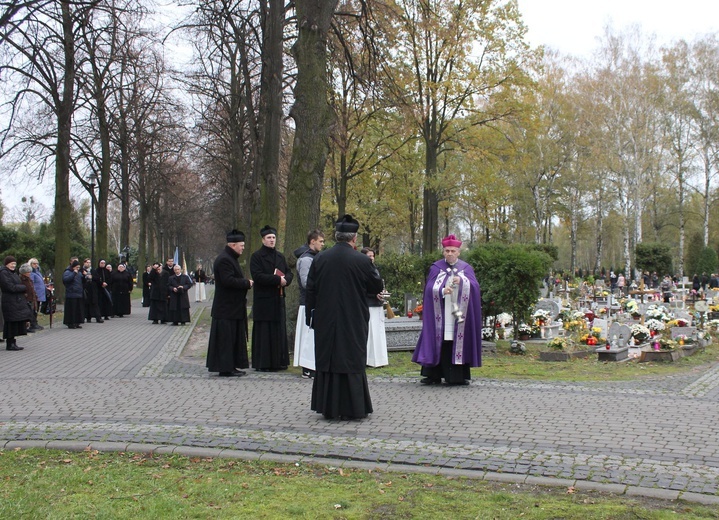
{"x": 451, "y": 338}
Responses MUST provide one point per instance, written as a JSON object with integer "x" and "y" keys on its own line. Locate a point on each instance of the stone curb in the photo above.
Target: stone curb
{"x": 189, "y": 451}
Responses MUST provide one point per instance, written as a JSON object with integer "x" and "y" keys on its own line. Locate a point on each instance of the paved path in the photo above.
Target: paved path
{"x": 122, "y": 385}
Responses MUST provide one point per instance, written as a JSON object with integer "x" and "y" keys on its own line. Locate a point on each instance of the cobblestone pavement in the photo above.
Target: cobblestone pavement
{"x": 122, "y": 385}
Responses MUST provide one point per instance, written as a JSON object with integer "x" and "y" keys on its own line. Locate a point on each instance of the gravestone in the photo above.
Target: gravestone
{"x": 683, "y": 331}
{"x": 621, "y": 332}
{"x": 601, "y": 324}
{"x": 682, "y": 315}
{"x": 548, "y": 305}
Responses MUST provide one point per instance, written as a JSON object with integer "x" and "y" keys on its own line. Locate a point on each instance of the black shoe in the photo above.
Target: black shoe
{"x": 14, "y": 347}
{"x": 107, "y": 317}
{"x": 175, "y": 323}
{"x": 31, "y": 330}
{"x": 100, "y": 320}
{"x": 430, "y": 381}
{"x": 78, "y": 326}
{"x": 154, "y": 322}
{"x": 234, "y": 373}
{"x": 308, "y": 374}
{"x": 38, "y": 327}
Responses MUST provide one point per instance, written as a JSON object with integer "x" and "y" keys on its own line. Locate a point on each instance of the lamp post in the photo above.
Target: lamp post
{"x": 93, "y": 179}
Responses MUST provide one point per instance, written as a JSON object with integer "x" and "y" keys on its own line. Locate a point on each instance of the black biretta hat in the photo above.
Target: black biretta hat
{"x": 268, "y": 230}
{"x": 235, "y": 236}
{"x": 347, "y": 224}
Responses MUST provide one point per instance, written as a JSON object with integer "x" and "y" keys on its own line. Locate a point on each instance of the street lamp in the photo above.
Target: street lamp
{"x": 93, "y": 179}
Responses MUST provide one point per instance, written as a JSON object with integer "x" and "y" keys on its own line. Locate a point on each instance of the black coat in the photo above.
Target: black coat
{"x": 336, "y": 300}
{"x": 179, "y": 299}
{"x": 268, "y": 295}
{"x": 159, "y": 281}
{"x": 14, "y": 304}
{"x": 121, "y": 288}
{"x": 74, "y": 283}
{"x": 231, "y": 286}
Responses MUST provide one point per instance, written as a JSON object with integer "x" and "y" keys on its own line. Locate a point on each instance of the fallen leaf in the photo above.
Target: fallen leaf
{"x": 571, "y": 490}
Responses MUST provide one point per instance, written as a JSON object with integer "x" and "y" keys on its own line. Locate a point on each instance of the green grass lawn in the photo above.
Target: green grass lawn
{"x": 57, "y": 485}
{"x": 505, "y": 365}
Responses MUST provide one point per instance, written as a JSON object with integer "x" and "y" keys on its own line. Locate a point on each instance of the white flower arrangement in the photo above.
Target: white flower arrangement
{"x": 658, "y": 312}
{"x": 638, "y": 328}
{"x": 488, "y": 334}
{"x": 640, "y": 331}
{"x": 632, "y": 307}
{"x": 542, "y": 315}
{"x": 654, "y": 325}
{"x": 504, "y": 319}
{"x": 524, "y": 328}
{"x": 712, "y": 325}
{"x": 577, "y": 315}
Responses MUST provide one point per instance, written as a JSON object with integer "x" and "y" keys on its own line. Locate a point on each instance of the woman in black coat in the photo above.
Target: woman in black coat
{"x": 178, "y": 288}
{"x": 158, "y": 295}
{"x": 146, "y": 286}
{"x": 101, "y": 277}
{"x": 73, "y": 280}
{"x": 15, "y": 309}
{"x": 121, "y": 289}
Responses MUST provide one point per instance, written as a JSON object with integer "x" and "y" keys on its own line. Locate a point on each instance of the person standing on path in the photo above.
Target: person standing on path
{"x": 74, "y": 281}
{"x": 146, "y": 286}
{"x": 304, "y": 355}
{"x": 336, "y": 308}
{"x": 179, "y": 287}
{"x": 376, "y": 339}
{"x": 227, "y": 349}
{"x": 101, "y": 278}
{"x": 451, "y": 338}
{"x": 271, "y": 275}
{"x": 39, "y": 283}
{"x": 122, "y": 285}
{"x": 200, "y": 280}
{"x": 158, "y": 296}
{"x": 15, "y": 310}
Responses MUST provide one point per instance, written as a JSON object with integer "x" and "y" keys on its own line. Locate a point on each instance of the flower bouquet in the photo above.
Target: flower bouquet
{"x": 655, "y": 325}
{"x": 575, "y": 325}
{"x": 667, "y": 344}
{"x": 565, "y": 344}
{"x": 488, "y": 334}
{"x": 593, "y": 337}
{"x": 542, "y": 317}
{"x": 677, "y": 323}
{"x": 640, "y": 333}
{"x": 658, "y": 312}
{"x": 632, "y": 307}
{"x": 524, "y": 330}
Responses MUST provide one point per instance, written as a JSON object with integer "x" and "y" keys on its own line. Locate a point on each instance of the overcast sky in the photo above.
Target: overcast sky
{"x": 569, "y": 26}
{"x": 573, "y": 26}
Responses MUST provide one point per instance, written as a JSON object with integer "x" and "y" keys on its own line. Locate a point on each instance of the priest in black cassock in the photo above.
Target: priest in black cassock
{"x": 271, "y": 275}
{"x": 228, "y": 333}
{"x": 336, "y": 308}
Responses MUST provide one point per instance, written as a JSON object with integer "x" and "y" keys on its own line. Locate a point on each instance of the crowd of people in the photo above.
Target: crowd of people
{"x": 340, "y": 321}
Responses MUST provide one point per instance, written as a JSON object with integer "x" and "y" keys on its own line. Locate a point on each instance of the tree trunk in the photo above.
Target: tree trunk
{"x": 313, "y": 119}
{"x": 266, "y": 209}
{"x": 63, "y": 207}
{"x": 430, "y": 200}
